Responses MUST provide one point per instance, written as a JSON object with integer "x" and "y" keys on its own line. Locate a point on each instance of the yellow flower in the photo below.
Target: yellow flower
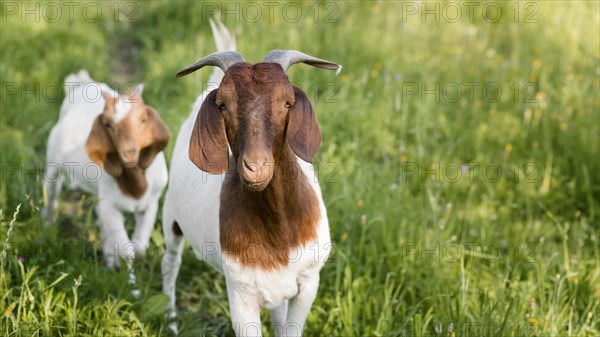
{"x": 9, "y": 311}
{"x": 360, "y": 202}
{"x": 564, "y": 126}
{"x": 508, "y": 147}
{"x": 540, "y": 95}
{"x": 533, "y": 321}
{"x": 404, "y": 157}
{"x": 545, "y": 183}
{"x": 345, "y": 236}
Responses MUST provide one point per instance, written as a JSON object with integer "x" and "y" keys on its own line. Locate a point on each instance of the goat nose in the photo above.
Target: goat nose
{"x": 129, "y": 153}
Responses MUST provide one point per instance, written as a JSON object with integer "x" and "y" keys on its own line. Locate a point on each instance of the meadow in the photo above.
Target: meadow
{"x": 460, "y": 163}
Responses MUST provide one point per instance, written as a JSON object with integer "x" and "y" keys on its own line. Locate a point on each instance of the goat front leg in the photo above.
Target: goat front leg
{"x": 279, "y": 317}
{"x": 144, "y": 223}
{"x": 115, "y": 242}
{"x": 171, "y": 261}
{"x": 244, "y": 309}
{"x": 300, "y": 305}
{"x": 53, "y": 183}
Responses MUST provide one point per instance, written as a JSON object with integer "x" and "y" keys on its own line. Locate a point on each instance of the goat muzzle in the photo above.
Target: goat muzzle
{"x": 256, "y": 174}
{"x": 129, "y": 156}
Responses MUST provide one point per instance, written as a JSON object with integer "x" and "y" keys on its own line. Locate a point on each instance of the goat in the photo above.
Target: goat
{"x": 258, "y": 216}
{"x": 110, "y": 146}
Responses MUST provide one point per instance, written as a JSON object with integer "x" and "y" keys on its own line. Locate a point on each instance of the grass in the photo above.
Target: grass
{"x": 475, "y": 212}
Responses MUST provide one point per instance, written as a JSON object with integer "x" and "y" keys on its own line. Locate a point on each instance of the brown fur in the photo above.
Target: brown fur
{"x": 268, "y": 209}
{"x": 260, "y": 228}
{"x": 141, "y": 132}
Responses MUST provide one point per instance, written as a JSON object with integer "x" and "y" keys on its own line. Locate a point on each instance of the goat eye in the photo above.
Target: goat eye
{"x": 143, "y": 121}
{"x": 287, "y": 105}
{"x": 108, "y": 126}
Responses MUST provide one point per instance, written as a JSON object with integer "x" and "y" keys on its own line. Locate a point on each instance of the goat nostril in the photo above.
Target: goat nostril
{"x": 249, "y": 167}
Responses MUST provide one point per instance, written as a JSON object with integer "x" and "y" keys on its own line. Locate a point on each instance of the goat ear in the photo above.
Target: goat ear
{"x": 101, "y": 151}
{"x": 208, "y": 144}
{"x": 137, "y": 90}
{"x": 303, "y": 131}
{"x": 159, "y": 137}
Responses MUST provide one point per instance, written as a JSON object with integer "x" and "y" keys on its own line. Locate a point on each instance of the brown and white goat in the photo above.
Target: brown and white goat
{"x": 111, "y": 146}
{"x": 243, "y": 192}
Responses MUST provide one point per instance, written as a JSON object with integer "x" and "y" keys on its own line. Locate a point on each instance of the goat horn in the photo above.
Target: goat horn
{"x": 222, "y": 60}
{"x": 287, "y": 58}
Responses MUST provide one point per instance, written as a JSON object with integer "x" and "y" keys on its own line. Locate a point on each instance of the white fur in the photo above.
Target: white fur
{"x": 122, "y": 110}
{"x": 68, "y": 161}
{"x": 193, "y": 201}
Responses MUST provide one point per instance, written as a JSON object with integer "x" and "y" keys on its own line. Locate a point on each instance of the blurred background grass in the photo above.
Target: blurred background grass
{"x": 517, "y": 254}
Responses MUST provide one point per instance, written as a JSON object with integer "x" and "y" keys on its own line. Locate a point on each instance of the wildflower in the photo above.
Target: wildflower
{"x": 438, "y": 328}
{"x": 451, "y": 330}
{"x": 21, "y": 259}
{"x": 9, "y": 311}
{"x": 508, "y": 147}
{"x": 564, "y": 126}
{"x": 464, "y": 168}
{"x": 404, "y": 157}
{"x": 345, "y": 236}
{"x": 540, "y": 95}
{"x": 397, "y": 77}
{"x": 359, "y": 203}
{"x": 546, "y": 182}
{"x": 77, "y": 281}
{"x": 533, "y": 321}
{"x": 537, "y": 63}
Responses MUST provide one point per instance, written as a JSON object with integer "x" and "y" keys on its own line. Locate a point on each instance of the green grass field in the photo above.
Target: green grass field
{"x": 460, "y": 163}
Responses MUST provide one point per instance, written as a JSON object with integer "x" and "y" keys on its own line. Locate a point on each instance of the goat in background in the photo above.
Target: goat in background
{"x": 110, "y": 146}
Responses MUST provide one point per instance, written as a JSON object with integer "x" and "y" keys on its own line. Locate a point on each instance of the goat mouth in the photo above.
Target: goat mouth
{"x": 256, "y": 186}
{"x": 129, "y": 161}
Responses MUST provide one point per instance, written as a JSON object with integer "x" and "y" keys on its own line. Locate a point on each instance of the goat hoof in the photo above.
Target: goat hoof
{"x": 115, "y": 268}
{"x": 171, "y": 319}
{"x": 172, "y": 329}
